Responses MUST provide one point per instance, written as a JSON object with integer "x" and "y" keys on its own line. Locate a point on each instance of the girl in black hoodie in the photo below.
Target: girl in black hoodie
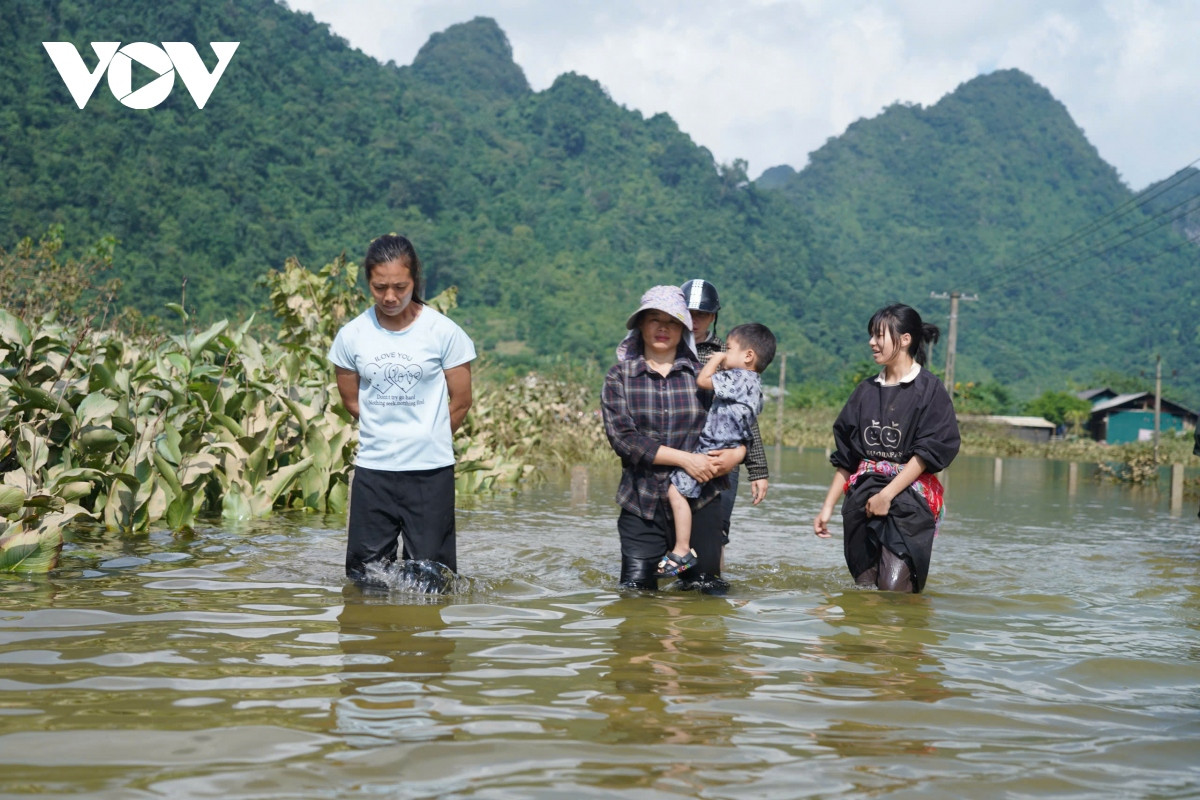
{"x": 894, "y": 434}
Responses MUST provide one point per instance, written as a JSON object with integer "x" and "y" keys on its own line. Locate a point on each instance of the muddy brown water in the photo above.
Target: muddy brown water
{"x": 1056, "y": 653}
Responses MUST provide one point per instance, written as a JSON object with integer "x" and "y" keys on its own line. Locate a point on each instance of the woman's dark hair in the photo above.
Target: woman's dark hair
{"x": 391, "y": 247}
{"x": 899, "y": 319}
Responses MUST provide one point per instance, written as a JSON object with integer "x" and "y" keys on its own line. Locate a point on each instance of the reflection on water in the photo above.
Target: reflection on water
{"x": 1056, "y": 652}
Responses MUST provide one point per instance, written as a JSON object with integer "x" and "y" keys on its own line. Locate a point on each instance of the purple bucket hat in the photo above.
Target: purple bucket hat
{"x": 667, "y": 299}
{"x": 670, "y": 301}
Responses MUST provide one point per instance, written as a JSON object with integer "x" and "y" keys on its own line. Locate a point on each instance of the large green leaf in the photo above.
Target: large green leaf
{"x": 96, "y": 407}
{"x": 120, "y": 508}
{"x": 168, "y": 473}
{"x": 202, "y": 340}
{"x": 13, "y": 330}
{"x": 283, "y": 478}
{"x": 235, "y": 504}
{"x": 167, "y": 443}
{"x": 98, "y": 439}
{"x": 40, "y": 398}
{"x": 338, "y": 500}
{"x": 12, "y": 500}
{"x": 31, "y": 549}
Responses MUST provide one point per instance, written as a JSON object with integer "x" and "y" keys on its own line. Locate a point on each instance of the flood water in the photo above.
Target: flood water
{"x": 1056, "y": 653}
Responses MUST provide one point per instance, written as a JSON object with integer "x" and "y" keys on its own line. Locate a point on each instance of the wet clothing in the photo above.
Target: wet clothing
{"x": 878, "y": 431}
{"x": 643, "y": 411}
{"x": 737, "y": 402}
{"x": 644, "y": 542}
{"x": 387, "y": 508}
{"x": 926, "y": 485}
{"x": 403, "y": 485}
{"x": 727, "y": 499}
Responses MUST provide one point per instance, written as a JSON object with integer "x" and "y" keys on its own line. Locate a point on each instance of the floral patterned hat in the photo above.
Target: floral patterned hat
{"x": 667, "y": 299}
{"x": 670, "y": 301}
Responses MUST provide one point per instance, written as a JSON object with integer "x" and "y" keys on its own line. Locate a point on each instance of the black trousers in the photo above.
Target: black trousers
{"x": 387, "y": 508}
{"x": 727, "y": 498}
{"x": 645, "y": 541}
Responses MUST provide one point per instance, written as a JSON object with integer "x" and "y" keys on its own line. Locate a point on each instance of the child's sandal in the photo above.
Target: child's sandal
{"x": 673, "y": 564}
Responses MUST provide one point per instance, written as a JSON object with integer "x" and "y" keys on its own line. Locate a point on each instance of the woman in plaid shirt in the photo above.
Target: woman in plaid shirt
{"x": 653, "y": 416}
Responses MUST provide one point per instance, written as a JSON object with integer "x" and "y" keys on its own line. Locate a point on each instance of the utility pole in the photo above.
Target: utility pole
{"x": 1157, "y": 401}
{"x": 952, "y": 336}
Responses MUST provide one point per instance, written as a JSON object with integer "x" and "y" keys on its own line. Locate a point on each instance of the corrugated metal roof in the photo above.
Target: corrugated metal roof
{"x": 1119, "y": 400}
{"x": 1015, "y": 422}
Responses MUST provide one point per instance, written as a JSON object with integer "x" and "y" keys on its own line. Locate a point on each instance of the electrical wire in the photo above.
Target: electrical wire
{"x": 1134, "y": 203}
{"x": 1162, "y": 221}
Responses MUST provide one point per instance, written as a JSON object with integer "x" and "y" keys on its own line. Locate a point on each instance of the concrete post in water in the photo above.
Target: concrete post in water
{"x": 1176, "y": 488}
{"x": 779, "y": 408}
{"x": 999, "y": 474}
{"x": 580, "y": 484}
{"x": 1072, "y": 478}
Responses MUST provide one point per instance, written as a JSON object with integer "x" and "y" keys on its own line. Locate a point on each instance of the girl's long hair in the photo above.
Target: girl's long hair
{"x": 898, "y": 319}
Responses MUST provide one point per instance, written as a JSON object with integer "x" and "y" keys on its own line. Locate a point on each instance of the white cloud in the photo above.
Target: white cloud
{"x": 771, "y": 80}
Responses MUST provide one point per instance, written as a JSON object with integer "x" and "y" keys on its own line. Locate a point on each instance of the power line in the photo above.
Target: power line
{"x": 1180, "y": 176}
{"x": 1077, "y": 257}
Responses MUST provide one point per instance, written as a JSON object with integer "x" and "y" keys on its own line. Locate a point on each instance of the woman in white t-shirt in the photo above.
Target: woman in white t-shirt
{"x": 404, "y": 372}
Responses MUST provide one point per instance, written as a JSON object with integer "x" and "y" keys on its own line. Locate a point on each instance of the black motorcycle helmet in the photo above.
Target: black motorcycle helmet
{"x": 700, "y": 295}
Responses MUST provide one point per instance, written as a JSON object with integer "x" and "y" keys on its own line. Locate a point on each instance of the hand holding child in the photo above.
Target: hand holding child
{"x": 699, "y": 466}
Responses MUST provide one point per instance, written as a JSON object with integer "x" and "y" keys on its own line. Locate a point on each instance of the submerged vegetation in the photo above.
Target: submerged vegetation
{"x": 128, "y": 431}
{"x": 116, "y": 423}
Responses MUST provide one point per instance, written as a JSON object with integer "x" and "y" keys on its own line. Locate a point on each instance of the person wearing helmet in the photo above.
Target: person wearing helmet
{"x": 703, "y": 302}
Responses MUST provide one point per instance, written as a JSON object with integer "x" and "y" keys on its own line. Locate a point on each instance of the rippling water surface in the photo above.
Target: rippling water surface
{"x": 1056, "y": 653}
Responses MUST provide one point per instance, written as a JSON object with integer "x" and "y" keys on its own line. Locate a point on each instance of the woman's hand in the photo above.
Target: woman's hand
{"x": 821, "y": 523}
{"x": 726, "y": 461}
{"x": 347, "y": 384}
{"x": 758, "y": 491}
{"x": 878, "y": 505}
{"x": 699, "y": 466}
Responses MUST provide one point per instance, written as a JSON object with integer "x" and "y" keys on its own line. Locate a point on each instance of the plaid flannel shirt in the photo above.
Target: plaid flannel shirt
{"x": 756, "y": 455}
{"x": 644, "y": 411}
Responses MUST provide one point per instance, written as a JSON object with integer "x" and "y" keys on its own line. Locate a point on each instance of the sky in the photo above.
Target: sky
{"x": 769, "y": 81}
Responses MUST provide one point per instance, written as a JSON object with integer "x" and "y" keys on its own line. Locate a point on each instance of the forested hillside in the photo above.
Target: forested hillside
{"x": 996, "y": 193}
{"x": 1178, "y": 197}
{"x": 552, "y": 211}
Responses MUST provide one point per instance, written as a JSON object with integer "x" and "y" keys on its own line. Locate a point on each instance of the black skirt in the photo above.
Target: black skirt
{"x": 907, "y": 530}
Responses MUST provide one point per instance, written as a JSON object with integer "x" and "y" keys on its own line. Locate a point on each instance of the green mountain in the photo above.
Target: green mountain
{"x": 996, "y": 193}
{"x": 1177, "y": 198}
{"x": 552, "y": 211}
